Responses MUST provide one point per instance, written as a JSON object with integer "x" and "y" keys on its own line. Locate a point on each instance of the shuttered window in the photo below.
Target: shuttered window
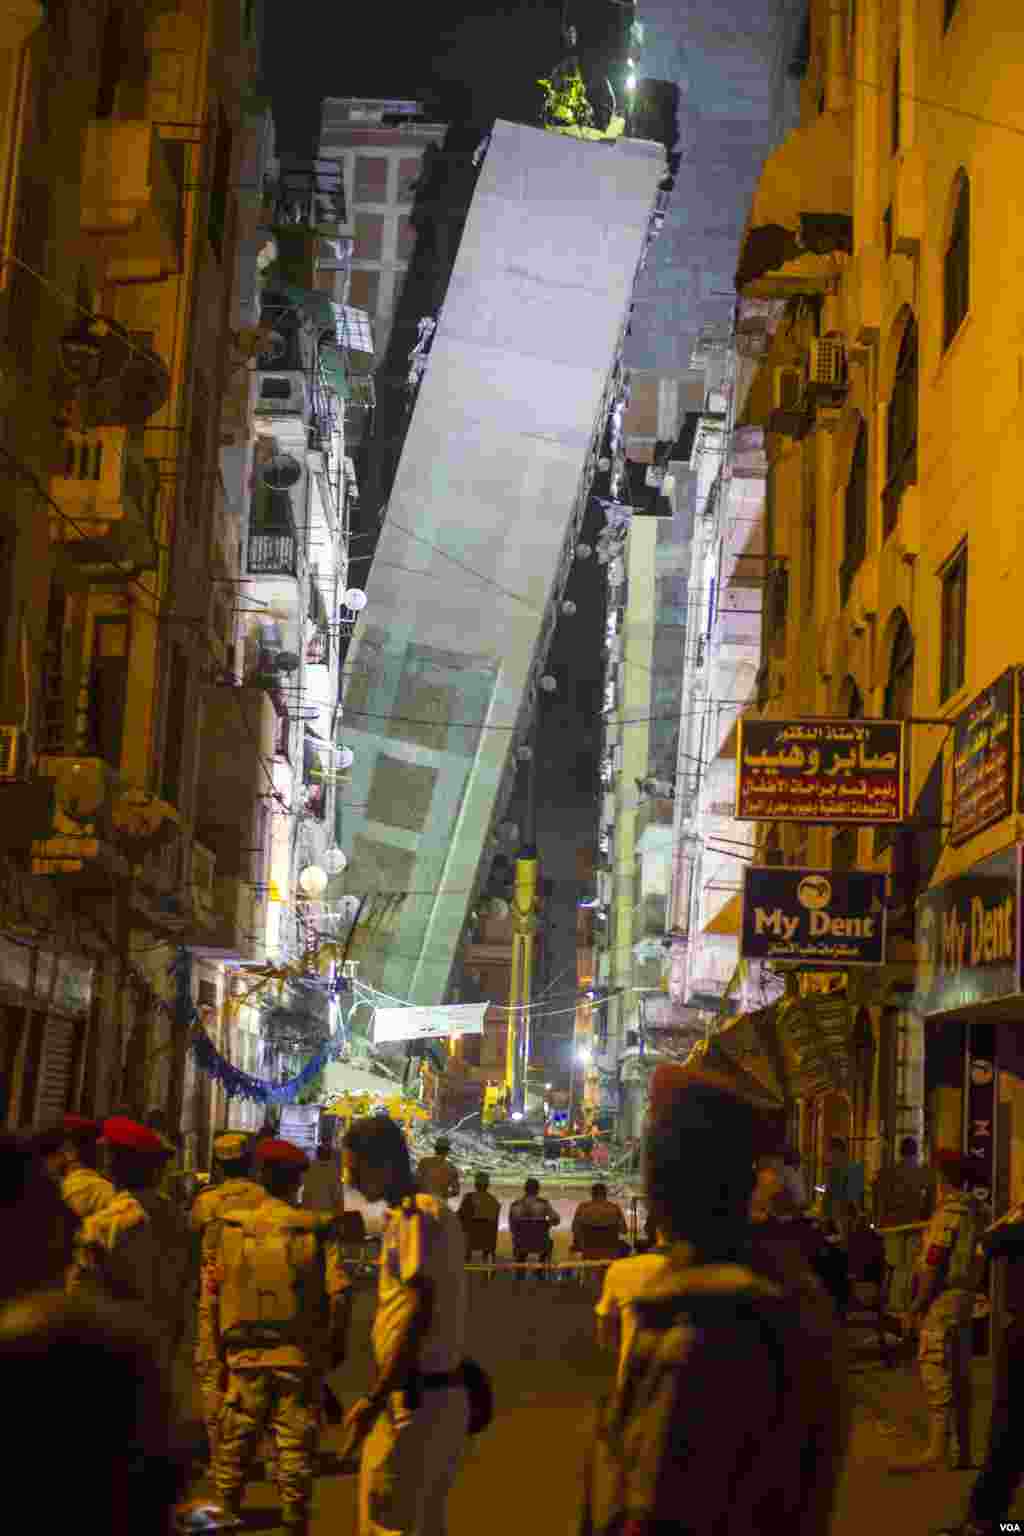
{"x": 957, "y": 264}
{"x": 901, "y": 444}
{"x": 855, "y": 509}
{"x": 55, "y": 1075}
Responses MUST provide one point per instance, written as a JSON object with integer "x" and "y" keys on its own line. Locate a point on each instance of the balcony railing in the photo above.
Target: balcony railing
{"x": 273, "y": 554}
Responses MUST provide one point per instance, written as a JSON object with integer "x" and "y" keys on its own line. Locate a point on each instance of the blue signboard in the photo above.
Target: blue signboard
{"x": 814, "y": 916}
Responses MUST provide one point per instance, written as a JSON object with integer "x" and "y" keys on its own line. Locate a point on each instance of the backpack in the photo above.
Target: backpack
{"x": 269, "y": 1275}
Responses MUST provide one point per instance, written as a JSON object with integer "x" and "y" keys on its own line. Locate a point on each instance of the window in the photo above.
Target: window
{"x": 899, "y": 688}
{"x": 954, "y": 624}
{"x": 957, "y": 264}
{"x": 363, "y": 291}
{"x": 948, "y": 12}
{"x": 174, "y": 735}
{"x": 197, "y": 482}
{"x": 369, "y": 236}
{"x": 855, "y": 524}
{"x": 371, "y": 179}
{"x": 216, "y": 221}
{"x": 109, "y": 684}
{"x": 894, "y": 105}
{"x": 887, "y": 230}
{"x": 901, "y": 445}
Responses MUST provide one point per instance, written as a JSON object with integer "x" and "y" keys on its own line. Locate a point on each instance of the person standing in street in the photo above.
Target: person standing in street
{"x": 321, "y": 1187}
{"x": 941, "y": 1313}
{"x": 70, "y": 1150}
{"x": 730, "y": 1412}
{"x": 904, "y": 1193}
{"x": 282, "y": 1302}
{"x": 237, "y": 1190}
{"x": 414, "y": 1423}
{"x": 994, "y": 1489}
{"x": 126, "y": 1253}
{"x": 437, "y": 1175}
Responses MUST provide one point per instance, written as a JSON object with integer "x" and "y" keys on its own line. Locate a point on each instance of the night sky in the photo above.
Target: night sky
{"x": 477, "y": 65}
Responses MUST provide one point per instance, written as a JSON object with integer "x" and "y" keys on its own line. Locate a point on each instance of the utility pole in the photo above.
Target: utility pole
{"x": 524, "y": 919}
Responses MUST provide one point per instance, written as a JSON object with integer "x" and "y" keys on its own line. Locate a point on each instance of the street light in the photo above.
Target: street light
{"x": 584, "y": 1055}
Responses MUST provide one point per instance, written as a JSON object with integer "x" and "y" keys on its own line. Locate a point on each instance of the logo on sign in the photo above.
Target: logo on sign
{"x": 814, "y": 892}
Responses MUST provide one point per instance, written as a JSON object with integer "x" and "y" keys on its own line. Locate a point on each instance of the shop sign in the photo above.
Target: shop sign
{"x": 839, "y": 771}
{"x": 815, "y": 916}
{"x": 968, "y": 937}
{"x": 983, "y": 753}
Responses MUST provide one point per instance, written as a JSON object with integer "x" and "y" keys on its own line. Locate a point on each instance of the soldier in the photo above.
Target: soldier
{"x": 282, "y": 1314}
{"x": 238, "y": 1190}
{"x": 70, "y": 1150}
{"x": 133, "y": 1252}
{"x": 941, "y": 1312}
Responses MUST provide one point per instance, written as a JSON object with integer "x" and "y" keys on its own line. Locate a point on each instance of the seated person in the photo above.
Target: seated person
{"x": 599, "y": 1211}
{"x": 532, "y": 1207}
{"x": 479, "y": 1204}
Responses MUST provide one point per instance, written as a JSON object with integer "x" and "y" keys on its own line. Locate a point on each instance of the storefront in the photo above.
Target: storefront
{"x": 969, "y": 991}
{"x": 45, "y": 1014}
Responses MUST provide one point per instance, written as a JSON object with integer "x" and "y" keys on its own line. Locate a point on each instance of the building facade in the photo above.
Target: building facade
{"x": 879, "y": 228}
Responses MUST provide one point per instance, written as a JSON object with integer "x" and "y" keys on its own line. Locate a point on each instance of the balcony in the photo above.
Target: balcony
{"x": 107, "y": 496}
{"x": 273, "y": 546}
{"x": 131, "y": 200}
{"x": 235, "y": 775}
{"x": 802, "y": 212}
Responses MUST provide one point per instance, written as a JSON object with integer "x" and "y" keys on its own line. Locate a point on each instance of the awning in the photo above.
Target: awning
{"x": 726, "y": 920}
{"x": 802, "y": 208}
{"x": 796, "y": 1048}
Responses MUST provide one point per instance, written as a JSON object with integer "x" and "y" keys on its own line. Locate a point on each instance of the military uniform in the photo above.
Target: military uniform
{"x": 944, "y": 1348}
{"x": 272, "y": 1275}
{"x": 212, "y": 1204}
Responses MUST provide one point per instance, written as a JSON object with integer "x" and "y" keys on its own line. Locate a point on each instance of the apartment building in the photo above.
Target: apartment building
{"x": 886, "y": 228}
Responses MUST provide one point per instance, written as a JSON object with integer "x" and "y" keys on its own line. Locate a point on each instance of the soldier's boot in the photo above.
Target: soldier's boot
{"x": 934, "y": 1453}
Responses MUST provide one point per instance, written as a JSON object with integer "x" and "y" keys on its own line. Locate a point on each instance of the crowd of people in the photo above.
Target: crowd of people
{"x": 727, "y": 1286}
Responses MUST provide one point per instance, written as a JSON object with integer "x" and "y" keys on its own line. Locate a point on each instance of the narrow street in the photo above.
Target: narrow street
{"x": 537, "y": 1340}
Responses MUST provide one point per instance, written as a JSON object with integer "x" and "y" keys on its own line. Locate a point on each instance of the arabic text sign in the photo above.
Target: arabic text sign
{"x": 842, "y": 771}
{"x": 968, "y": 941}
{"x": 816, "y": 916}
{"x": 391, "y": 1024}
{"x": 983, "y": 760}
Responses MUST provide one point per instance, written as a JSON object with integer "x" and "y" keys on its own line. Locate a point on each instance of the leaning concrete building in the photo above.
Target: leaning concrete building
{"x": 480, "y": 530}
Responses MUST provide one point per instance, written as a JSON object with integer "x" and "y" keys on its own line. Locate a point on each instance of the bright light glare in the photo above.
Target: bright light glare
{"x": 583, "y": 1055}
{"x": 631, "y": 82}
{"x": 516, "y": 1115}
{"x": 547, "y": 1087}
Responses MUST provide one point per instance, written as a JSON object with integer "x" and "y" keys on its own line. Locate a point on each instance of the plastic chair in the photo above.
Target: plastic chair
{"x": 482, "y": 1238}
{"x": 597, "y": 1243}
{"x": 532, "y": 1235}
{"x": 352, "y": 1234}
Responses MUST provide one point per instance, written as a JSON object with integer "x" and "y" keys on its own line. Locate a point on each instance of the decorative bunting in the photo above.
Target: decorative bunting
{"x": 239, "y": 1085}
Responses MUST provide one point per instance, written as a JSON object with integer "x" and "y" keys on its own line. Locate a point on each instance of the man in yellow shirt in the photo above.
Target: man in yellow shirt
{"x": 70, "y": 1150}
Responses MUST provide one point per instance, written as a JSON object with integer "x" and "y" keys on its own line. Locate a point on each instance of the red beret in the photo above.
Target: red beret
{"x": 130, "y": 1136}
{"x": 280, "y": 1154}
{"x": 79, "y": 1125}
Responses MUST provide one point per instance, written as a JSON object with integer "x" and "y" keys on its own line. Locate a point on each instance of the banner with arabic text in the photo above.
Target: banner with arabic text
{"x": 825, "y": 770}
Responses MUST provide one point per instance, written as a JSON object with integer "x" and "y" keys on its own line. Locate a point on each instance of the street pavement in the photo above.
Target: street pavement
{"x": 525, "y": 1472}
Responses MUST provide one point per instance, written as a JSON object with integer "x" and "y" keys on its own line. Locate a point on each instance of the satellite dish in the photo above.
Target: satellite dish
{"x": 569, "y": 608}
{"x": 281, "y": 472}
{"x": 355, "y": 600}
{"x": 335, "y": 861}
{"x": 286, "y": 661}
{"x": 583, "y": 551}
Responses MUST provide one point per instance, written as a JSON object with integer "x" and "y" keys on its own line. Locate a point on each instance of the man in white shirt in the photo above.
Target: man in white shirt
{"x": 623, "y": 1282}
{"x": 414, "y": 1423}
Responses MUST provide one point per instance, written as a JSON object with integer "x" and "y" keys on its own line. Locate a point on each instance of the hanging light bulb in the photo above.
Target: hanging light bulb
{"x": 549, "y": 683}
{"x": 355, "y": 600}
{"x": 569, "y": 608}
{"x": 583, "y": 551}
{"x": 334, "y": 861}
{"x": 313, "y": 881}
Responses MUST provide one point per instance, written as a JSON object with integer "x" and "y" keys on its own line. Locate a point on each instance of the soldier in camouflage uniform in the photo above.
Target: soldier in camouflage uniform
{"x": 942, "y": 1310}
{"x": 282, "y": 1310}
{"x": 70, "y": 1150}
{"x": 238, "y": 1190}
{"x": 134, "y": 1251}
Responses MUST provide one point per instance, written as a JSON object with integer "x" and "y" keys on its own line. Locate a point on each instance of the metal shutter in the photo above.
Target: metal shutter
{"x": 55, "y": 1073}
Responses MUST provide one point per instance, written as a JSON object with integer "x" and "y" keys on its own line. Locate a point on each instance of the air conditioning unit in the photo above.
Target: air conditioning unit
{"x": 281, "y": 471}
{"x": 826, "y": 367}
{"x": 282, "y": 394}
{"x": 274, "y": 351}
{"x": 11, "y": 737}
{"x": 787, "y": 388}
